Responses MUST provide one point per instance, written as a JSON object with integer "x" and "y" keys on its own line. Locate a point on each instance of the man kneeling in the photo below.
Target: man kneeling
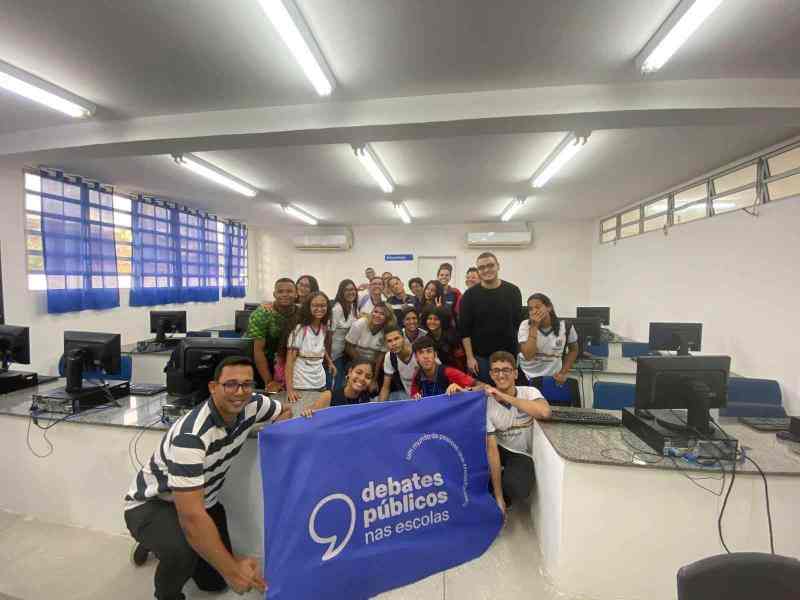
{"x": 511, "y": 410}
{"x": 172, "y": 506}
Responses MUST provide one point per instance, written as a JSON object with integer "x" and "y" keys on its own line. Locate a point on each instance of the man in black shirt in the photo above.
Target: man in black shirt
{"x": 489, "y": 318}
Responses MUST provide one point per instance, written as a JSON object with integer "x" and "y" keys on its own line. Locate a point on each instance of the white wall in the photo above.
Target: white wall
{"x": 558, "y": 262}
{"x": 26, "y": 308}
{"x": 736, "y": 274}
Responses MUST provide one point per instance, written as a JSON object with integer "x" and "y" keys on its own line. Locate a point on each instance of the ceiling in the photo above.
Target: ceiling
{"x": 140, "y": 59}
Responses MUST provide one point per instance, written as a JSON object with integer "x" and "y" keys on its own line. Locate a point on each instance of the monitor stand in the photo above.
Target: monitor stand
{"x": 11, "y": 381}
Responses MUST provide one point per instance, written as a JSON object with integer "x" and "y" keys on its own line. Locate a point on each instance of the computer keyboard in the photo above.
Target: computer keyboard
{"x": 147, "y": 389}
{"x": 767, "y": 423}
{"x": 584, "y": 416}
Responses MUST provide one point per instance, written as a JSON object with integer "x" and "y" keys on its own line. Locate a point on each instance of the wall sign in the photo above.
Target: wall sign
{"x": 397, "y": 257}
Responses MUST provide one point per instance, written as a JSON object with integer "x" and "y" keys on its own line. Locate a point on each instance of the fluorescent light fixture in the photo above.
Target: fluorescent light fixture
{"x": 215, "y": 174}
{"x": 41, "y": 91}
{"x": 374, "y": 167}
{"x": 679, "y": 26}
{"x": 299, "y": 213}
{"x": 512, "y": 207}
{"x": 565, "y": 150}
{"x": 402, "y": 211}
{"x": 292, "y": 27}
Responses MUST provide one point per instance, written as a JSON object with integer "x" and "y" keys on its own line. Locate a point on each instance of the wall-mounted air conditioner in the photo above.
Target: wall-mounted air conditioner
{"x": 496, "y": 239}
{"x": 324, "y": 240}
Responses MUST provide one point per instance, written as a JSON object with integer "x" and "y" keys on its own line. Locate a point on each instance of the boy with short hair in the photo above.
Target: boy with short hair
{"x": 399, "y": 366}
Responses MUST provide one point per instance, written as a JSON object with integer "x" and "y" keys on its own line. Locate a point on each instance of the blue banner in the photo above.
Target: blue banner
{"x": 362, "y": 499}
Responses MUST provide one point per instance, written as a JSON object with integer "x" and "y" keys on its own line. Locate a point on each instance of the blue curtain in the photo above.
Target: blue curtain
{"x": 175, "y": 254}
{"x": 80, "y": 256}
{"x": 235, "y": 285}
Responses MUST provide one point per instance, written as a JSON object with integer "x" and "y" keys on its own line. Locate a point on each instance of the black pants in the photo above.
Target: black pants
{"x": 155, "y": 525}
{"x": 518, "y": 474}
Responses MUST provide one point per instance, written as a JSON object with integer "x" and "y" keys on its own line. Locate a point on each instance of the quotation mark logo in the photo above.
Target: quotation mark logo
{"x": 333, "y": 550}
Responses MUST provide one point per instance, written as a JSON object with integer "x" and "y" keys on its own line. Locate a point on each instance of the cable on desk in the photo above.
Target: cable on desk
{"x": 33, "y": 418}
{"x": 766, "y": 497}
{"x": 724, "y": 504}
{"x": 134, "y": 444}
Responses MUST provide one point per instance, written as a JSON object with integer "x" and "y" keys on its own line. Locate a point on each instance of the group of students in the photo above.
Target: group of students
{"x": 383, "y": 345}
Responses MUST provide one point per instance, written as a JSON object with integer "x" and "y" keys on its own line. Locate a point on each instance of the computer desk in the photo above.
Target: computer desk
{"x": 612, "y": 526}
{"x": 147, "y": 366}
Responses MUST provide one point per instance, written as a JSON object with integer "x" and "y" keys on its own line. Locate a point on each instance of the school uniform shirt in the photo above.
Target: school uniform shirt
{"x": 339, "y": 399}
{"x": 549, "y": 349}
{"x": 368, "y": 345}
{"x": 309, "y": 369}
{"x": 398, "y": 305}
{"x": 365, "y": 305}
{"x": 196, "y": 452}
{"x": 420, "y": 333}
{"x": 339, "y": 328}
{"x": 512, "y": 427}
{"x": 405, "y": 370}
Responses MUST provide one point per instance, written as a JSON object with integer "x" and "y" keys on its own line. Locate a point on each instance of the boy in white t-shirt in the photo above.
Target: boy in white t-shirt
{"x": 399, "y": 365}
{"x": 543, "y": 339}
{"x": 510, "y": 412}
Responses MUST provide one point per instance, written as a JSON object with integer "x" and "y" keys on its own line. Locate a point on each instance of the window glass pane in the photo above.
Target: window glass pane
{"x": 124, "y": 250}
{"x": 784, "y": 188}
{"x": 37, "y": 281}
{"x": 655, "y": 223}
{"x": 690, "y": 213}
{"x": 34, "y": 243}
{"x": 122, "y": 219}
{"x": 33, "y": 202}
{"x": 33, "y": 222}
{"x": 33, "y": 182}
{"x": 657, "y": 207}
{"x": 630, "y": 216}
{"x": 738, "y": 178}
{"x": 608, "y": 224}
{"x": 122, "y": 203}
{"x": 72, "y": 191}
{"x": 124, "y": 267}
{"x": 735, "y": 201}
{"x": 693, "y": 194}
{"x": 784, "y": 162}
{"x": 124, "y": 282}
{"x": 35, "y": 262}
{"x": 123, "y": 235}
{"x": 629, "y": 230}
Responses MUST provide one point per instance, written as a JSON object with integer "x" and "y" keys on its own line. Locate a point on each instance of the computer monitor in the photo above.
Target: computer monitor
{"x": 89, "y": 351}
{"x": 251, "y": 306}
{"x": 597, "y": 312}
{"x": 196, "y": 360}
{"x": 694, "y": 383}
{"x": 676, "y": 336}
{"x": 241, "y": 321}
{"x": 15, "y": 346}
{"x": 588, "y": 330}
{"x": 167, "y": 321}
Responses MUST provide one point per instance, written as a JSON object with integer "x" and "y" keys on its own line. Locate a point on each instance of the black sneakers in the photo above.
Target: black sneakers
{"x": 139, "y": 555}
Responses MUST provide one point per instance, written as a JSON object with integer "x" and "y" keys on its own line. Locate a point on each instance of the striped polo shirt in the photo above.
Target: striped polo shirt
{"x": 197, "y": 452}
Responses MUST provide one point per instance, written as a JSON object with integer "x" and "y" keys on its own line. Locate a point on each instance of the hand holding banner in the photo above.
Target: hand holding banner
{"x": 362, "y": 499}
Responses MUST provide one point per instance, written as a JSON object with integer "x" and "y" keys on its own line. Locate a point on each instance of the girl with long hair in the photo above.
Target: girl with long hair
{"x": 343, "y": 314}
{"x": 544, "y": 339}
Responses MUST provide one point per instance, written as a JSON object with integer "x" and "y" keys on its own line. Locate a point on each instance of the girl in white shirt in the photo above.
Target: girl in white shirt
{"x": 542, "y": 340}
{"x": 343, "y": 314}
{"x": 308, "y": 352}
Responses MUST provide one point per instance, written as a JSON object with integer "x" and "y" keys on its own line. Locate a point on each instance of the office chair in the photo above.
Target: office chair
{"x": 753, "y": 398}
{"x": 613, "y": 396}
{"x": 740, "y": 576}
{"x": 598, "y": 349}
{"x": 558, "y": 395}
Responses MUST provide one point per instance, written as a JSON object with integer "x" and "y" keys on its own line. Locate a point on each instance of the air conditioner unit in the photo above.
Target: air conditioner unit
{"x": 495, "y": 239}
{"x": 335, "y": 240}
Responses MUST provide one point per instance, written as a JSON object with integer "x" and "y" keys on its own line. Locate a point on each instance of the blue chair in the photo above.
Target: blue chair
{"x": 229, "y": 333}
{"x": 613, "y": 396}
{"x": 600, "y": 350}
{"x": 558, "y": 395}
{"x": 753, "y": 398}
{"x": 632, "y": 349}
{"x": 125, "y": 370}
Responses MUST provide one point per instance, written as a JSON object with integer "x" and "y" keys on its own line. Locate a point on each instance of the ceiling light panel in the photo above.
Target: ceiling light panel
{"x": 43, "y": 92}
{"x": 215, "y": 174}
{"x": 366, "y": 155}
{"x": 561, "y": 155}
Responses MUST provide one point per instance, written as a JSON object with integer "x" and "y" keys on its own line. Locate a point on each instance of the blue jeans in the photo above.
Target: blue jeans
{"x": 341, "y": 372}
{"x": 483, "y": 370}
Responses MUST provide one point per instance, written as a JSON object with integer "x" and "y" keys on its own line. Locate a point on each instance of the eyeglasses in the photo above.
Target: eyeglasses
{"x": 231, "y": 387}
{"x": 505, "y": 371}
{"x": 487, "y": 267}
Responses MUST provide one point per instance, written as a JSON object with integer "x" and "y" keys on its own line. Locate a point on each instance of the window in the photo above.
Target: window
{"x": 630, "y": 216}
{"x": 104, "y": 209}
{"x": 655, "y": 223}
{"x": 784, "y": 188}
{"x": 734, "y": 201}
{"x": 608, "y": 230}
{"x": 736, "y": 179}
{"x": 657, "y": 207}
{"x": 786, "y": 161}
{"x": 629, "y": 230}
{"x": 693, "y": 194}
{"x": 690, "y": 213}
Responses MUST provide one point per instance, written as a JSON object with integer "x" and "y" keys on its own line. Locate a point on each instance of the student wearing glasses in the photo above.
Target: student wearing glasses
{"x": 308, "y": 352}
{"x": 490, "y": 316}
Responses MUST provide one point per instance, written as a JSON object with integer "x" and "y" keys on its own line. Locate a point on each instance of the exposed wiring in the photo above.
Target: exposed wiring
{"x": 766, "y": 497}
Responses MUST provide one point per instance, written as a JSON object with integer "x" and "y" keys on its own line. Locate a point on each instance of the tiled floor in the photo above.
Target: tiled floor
{"x": 41, "y": 561}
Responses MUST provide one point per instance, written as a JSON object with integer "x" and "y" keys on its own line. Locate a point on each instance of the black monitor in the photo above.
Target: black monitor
{"x": 15, "y": 346}
{"x": 597, "y": 312}
{"x": 251, "y": 306}
{"x": 676, "y": 336}
{"x": 167, "y": 321}
{"x": 241, "y": 321}
{"x": 694, "y": 383}
{"x": 588, "y": 330}
{"x": 196, "y": 360}
{"x": 89, "y": 351}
